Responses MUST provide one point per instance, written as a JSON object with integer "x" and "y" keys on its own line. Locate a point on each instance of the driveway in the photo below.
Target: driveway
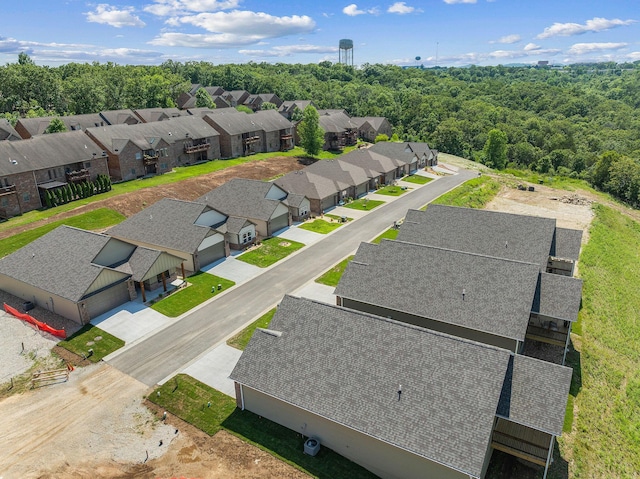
{"x": 159, "y": 355}
{"x": 214, "y": 368}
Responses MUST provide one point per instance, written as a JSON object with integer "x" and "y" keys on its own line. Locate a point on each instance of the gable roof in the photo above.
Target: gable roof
{"x": 567, "y": 244}
{"x": 168, "y": 223}
{"x": 120, "y": 117}
{"x": 371, "y": 160}
{"x": 244, "y": 198}
{"x": 335, "y": 121}
{"x": 158, "y": 114}
{"x": 375, "y": 122}
{"x": 141, "y": 261}
{"x": 347, "y": 366}
{"x": 397, "y": 151}
{"x": 340, "y": 172}
{"x": 311, "y": 185}
{"x": 232, "y": 123}
{"x": 271, "y": 120}
{"x": 47, "y": 151}
{"x": 60, "y": 262}
{"x": 7, "y": 131}
{"x": 535, "y": 393}
{"x": 490, "y": 233}
{"x": 497, "y": 298}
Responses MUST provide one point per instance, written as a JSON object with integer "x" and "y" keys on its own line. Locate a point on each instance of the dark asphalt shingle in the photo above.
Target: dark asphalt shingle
{"x": 558, "y": 296}
{"x": 347, "y": 366}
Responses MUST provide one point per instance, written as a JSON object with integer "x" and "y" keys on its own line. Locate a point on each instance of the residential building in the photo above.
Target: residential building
{"x": 7, "y": 131}
{"x": 28, "y": 168}
{"x": 240, "y": 135}
{"x": 277, "y": 132}
{"x": 287, "y": 108}
{"x": 321, "y": 192}
{"x": 79, "y": 274}
{"x": 188, "y": 230}
{"x": 343, "y": 173}
{"x": 400, "y": 400}
{"x": 371, "y": 126}
{"x": 30, "y": 127}
{"x": 382, "y": 169}
{"x": 263, "y": 203}
{"x": 147, "y": 115}
{"x": 339, "y": 130}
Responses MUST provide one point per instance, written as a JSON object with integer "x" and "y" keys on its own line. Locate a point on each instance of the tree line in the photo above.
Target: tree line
{"x": 577, "y": 120}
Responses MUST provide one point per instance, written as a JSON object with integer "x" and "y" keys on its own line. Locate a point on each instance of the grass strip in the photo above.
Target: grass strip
{"x": 363, "y": 204}
{"x": 240, "y": 340}
{"x": 270, "y": 251}
{"x": 475, "y": 193}
{"x": 92, "y": 337}
{"x": 202, "y": 286}
{"x": 332, "y": 276}
{"x": 320, "y": 226}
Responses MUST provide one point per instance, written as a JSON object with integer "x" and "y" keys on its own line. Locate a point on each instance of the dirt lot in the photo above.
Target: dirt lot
{"x": 190, "y": 189}
{"x": 96, "y": 425}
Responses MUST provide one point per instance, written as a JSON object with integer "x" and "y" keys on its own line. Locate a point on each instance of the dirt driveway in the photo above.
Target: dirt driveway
{"x": 96, "y": 426}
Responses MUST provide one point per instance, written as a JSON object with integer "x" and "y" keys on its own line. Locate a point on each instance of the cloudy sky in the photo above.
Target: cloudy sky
{"x": 443, "y": 32}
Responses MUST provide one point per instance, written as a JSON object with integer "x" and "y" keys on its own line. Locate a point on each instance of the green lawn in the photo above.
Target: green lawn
{"x": 320, "y": 226}
{"x": 391, "y": 233}
{"x": 240, "y": 340}
{"x": 475, "y": 193}
{"x": 189, "y": 399}
{"x": 605, "y": 440}
{"x": 270, "y": 251}
{"x": 91, "y": 337}
{"x": 178, "y": 174}
{"x": 202, "y": 286}
{"x": 332, "y": 277}
{"x": 337, "y": 218}
{"x": 93, "y": 220}
{"x": 363, "y": 204}
{"x": 417, "y": 179}
{"x": 391, "y": 190}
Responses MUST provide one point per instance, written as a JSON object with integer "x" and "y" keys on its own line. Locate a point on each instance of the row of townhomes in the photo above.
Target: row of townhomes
{"x": 426, "y": 364}
{"x": 184, "y": 236}
{"x": 130, "y": 144}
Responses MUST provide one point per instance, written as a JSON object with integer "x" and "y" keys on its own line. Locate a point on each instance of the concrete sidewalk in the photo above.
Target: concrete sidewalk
{"x": 214, "y": 368}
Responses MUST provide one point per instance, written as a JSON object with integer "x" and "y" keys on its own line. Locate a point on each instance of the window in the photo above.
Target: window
{"x": 247, "y": 236}
{"x": 87, "y": 164}
{"x": 6, "y": 183}
{"x": 50, "y": 174}
{"x": 26, "y": 197}
{"x": 138, "y": 156}
{"x": 163, "y": 166}
{"x": 4, "y": 202}
{"x": 167, "y": 275}
{"x": 133, "y": 171}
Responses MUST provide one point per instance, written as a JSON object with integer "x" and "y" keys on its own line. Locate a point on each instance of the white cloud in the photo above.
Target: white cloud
{"x": 634, "y": 56}
{"x": 530, "y": 47}
{"x": 288, "y": 50}
{"x": 585, "y": 48}
{"x": 352, "y": 10}
{"x": 109, "y": 15}
{"x": 402, "y": 8}
{"x": 508, "y": 39}
{"x": 250, "y": 24}
{"x": 199, "y": 40}
{"x": 451, "y": 2}
{"x": 594, "y": 25}
{"x": 165, "y": 8}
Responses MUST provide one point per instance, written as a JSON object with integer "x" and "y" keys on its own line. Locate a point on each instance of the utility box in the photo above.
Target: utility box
{"x": 28, "y": 306}
{"x": 311, "y": 446}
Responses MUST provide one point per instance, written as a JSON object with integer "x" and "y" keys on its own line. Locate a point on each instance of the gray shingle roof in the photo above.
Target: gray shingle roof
{"x": 371, "y": 160}
{"x": 232, "y": 124}
{"x": 567, "y": 244}
{"x": 168, "y": 223}
{"x": 428, "y": 282}
{"x": 158, "y": 114}
{"x": 558, "y": 296}
{"x": 535, "y": 394}
{"x": 47, "y": 151}
{"x": 347, "y": 367}
{"x": 398, "y": 151}
{"x": 7, "y": 131}
{"x": 294, "y": 200}
{"x": 120, "y": 117}
{"x": 490, "y": 233}
{"x": 141, "y": 261}
{"x": 234, "y": 224}
{"x": 59, "y": 262}
{"x": 271, "y": 120}
{"x": 340, "y": 172}
{"x": 311, "y": 185}
{"x": 335, "y": 121}
{"x": 243, "y": 198}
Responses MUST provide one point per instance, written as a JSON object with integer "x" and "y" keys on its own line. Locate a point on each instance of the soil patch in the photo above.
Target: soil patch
{"x": 130, "y": 203}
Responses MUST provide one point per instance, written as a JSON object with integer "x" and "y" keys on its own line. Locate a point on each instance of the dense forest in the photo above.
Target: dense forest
{"x": 580, "y": 120}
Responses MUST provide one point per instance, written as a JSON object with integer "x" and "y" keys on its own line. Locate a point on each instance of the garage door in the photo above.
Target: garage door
{"x": 279, "y": 222}
{"x": 107, "y": 300}
{"x": 328, "y": 202}
{"x": 211, "y": 254}
{"x": 361, "y": 190}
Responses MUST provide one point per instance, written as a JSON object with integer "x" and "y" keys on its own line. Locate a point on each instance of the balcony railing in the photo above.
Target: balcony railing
{"x": 5, "y": 190}
{"x": 251, "y": 139}
{"x": 78, "y": 175}
{"x": 196, "y": 148}
{"x": 150, "y": 159}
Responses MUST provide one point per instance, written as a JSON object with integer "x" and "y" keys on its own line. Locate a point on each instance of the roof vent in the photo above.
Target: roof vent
{"x": 399, "y": 391}
{"x": 271, "y": 332}
{"x": 506, "y": 244}
{"x": 464, "y": 292}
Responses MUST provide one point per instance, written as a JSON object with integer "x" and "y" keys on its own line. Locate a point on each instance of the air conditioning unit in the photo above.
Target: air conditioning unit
{"x": 312, "y": 446}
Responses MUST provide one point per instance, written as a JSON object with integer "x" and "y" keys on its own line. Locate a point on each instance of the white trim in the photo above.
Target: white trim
{"x": 241, "y": 395}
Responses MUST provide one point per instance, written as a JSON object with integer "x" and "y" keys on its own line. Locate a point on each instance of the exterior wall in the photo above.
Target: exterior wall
{"x": 113, "y": 252}
{"x": 210, "y": 218}
{"x": 27, "y": 292}
{"x": 458, "y": 331}
{"x": 105, "y": 279}
{"x": 384, "y": 460}
{"x": 26, "y": 197}
{"x": 262, "y": 228}
{"x": 106, "y": 300}
{"x": 187, "y": 257}
{"x": 302, "y": 211}
{"x": 271, "y": 141}
{"x": 153, "y": 282}
{"x": 22, "y": 131}
{"x": 123, "y": 164}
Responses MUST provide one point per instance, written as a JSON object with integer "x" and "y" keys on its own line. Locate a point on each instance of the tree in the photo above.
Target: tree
{"x": 495, "y": 149}
{"x": 204, "y": 100}
{"x": 56, "y": 126}
{"x": 381, "y": 137}
{"x": 311, "y": 134}
{"x": 267, "y": 105}
{"x": 296, "y": 115}
{"x": 244, "y": 108}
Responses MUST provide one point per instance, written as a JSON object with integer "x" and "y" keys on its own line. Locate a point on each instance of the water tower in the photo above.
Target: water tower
{"x": 345, "y": 54}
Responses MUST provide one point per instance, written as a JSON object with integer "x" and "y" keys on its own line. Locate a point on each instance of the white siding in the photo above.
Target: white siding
{"x": 276, "y": 193}
{"x": 105, "y": 278}
{"x": 210, "y": 218}
{"x": 114, "y": 252}
{"x": 210, "y": 241}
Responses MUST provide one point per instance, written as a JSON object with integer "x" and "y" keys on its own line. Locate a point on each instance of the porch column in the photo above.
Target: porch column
{"x": 546, "y": 467}
{"x": 182, "y": 267}
{"x": 164, "y": 282}
{"x": 144, "y": 296}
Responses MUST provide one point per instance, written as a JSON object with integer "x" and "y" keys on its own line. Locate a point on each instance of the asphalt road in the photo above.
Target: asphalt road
{"x": 167, "y": 351}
